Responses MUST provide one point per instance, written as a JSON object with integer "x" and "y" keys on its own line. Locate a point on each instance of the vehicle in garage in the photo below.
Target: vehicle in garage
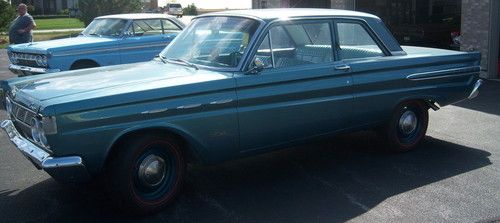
{"x": 232, "y": 84}
{"x": 108, "y": 40}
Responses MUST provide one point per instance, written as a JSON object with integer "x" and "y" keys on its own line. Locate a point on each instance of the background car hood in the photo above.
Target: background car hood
{"x": 60, "y": 44}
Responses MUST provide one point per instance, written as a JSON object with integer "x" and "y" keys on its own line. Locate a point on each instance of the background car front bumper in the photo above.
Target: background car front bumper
{"x": 25, "y": 70}
{"x": 63, "y": 169}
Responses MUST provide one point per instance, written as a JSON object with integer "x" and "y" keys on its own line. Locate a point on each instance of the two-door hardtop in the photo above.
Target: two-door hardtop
{"x": 107, "y": 40}
{"x": 232, "y": 84}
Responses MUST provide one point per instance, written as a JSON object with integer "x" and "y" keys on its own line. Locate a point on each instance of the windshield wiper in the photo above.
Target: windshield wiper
{"x": 185, "y": 62}
{"x": 94, "y": 34}
{"x": 163, "y": 59}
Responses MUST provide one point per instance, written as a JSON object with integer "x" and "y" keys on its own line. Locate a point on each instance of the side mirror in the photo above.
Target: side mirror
{"x": 257, "y": 66}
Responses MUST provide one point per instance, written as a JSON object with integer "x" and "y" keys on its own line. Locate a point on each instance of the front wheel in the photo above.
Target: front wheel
{"x": 146, "y": 173}
{"x": 407, "y": 127}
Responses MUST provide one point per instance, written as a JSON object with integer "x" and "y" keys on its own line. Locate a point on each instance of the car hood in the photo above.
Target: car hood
{"x": 71, "y": 86}
{"x": 60, "y": 44}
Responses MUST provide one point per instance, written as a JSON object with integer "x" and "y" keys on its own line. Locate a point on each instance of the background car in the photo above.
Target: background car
{"x": 108, "y": 40}
{"x": 174, "y": 9}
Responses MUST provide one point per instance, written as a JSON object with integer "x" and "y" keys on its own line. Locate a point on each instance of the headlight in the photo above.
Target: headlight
{"x": 35, "y": 129}
{"x": 38, "y": 132}
{"x": 12, "y": 57}
{"x": 44, "y": 61}
{"x": 8, "y": 106}
{"x": 41, "y": 60}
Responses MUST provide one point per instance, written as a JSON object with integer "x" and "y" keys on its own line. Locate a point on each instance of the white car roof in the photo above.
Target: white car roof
{"x": 136, "y": 16}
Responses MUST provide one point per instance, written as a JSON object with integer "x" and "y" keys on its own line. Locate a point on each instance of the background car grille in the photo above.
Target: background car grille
{"x": 25, "y": 59}
{"x": 30, "y": 63}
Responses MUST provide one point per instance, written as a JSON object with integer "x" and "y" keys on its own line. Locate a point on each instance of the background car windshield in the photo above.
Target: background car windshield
{"x": 213, "y": 41}
{"x": 175, "y": 6}
{"x": 105, "y": 27}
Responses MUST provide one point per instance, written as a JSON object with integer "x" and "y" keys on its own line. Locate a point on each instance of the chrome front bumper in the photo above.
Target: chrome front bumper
{"x": 25, "y": 70}
{"x": 67, "y": 169}
{"x": 475, "y": 90}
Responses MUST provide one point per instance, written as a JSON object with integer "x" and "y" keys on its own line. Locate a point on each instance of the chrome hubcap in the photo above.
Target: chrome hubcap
{"x": 408, "y": 122}
{"x": 152, "y": 170}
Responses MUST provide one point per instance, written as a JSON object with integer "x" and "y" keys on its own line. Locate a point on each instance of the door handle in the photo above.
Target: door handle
{"x": 343, "y": 67}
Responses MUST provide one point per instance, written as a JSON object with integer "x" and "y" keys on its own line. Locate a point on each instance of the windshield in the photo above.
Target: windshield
{"x": 213, "y": 41}
{"x": 105, "y": 27}
{"x": 175, "y": 6}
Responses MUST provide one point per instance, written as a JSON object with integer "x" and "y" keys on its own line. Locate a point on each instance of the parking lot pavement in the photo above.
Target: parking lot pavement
{"x": 453, "y": 177}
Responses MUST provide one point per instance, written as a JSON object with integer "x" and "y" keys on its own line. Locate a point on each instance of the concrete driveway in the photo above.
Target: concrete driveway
{"x": 453, "y": 177}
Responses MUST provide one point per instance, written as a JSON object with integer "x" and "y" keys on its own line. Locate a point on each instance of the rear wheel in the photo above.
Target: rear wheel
{"x": 146, "y": 173}
{"x": 407, "y": 126}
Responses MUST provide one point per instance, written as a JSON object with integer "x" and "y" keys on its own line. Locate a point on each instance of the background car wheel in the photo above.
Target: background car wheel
{"x": 407, "y": 126}
{"x": 146, "y": 173}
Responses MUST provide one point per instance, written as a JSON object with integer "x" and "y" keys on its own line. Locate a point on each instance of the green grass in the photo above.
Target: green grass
{"x": 60, "y": 23}
{"x": 43, "y": 36}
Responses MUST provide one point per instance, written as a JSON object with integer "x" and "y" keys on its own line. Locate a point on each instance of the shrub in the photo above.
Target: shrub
{"x": 89, "y": 9}
{"x": 7, "y": 14}
{"x": 31, "y": 8}
{"x": 64, "y": 12}
{"x": 190, "y": 10}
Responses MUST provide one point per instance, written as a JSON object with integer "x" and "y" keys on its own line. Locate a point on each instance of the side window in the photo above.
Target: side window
{"x": 355, "y": 42}
{"x": 297, "y": 44}
{"x": 280, "y": 39}
{"x": 170, "y": 27}
{"x": 147, "y": 27}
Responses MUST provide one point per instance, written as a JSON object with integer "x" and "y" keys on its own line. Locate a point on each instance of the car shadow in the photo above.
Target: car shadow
{"x": 487, "y": 101}
{"x": 329, "y": 181}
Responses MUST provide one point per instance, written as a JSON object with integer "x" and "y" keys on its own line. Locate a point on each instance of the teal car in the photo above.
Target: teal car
{"x": 232, "y": 84}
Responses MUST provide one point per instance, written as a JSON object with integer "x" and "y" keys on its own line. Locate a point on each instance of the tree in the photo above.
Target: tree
{"x": 89, "y": 9}
{"x": 7, "y": 14}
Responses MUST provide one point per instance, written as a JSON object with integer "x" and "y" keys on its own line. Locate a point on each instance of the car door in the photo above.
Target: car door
{"x": 146, "y": 38}
{"x": 302, "y": 92}
{"x": 374, "y": 82}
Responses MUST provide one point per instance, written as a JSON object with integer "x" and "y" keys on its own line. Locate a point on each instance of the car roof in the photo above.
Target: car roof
{"x": 136, "y": 16}
{"x": 278, "y": 13}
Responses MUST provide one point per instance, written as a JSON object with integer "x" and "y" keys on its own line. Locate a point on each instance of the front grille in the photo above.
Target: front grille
{"x": 29, "y": 63}
{"x": 25, "y": 59}
{"x": 22, "y": 114}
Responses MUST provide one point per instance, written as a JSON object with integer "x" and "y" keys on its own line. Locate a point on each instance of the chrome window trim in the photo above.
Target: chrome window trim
{"x": 268, "y": 27}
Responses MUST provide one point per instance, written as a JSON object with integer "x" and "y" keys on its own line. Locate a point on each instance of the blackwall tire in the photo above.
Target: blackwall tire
{"x": 407, "y": 127}
{"x": 146, "y": 173}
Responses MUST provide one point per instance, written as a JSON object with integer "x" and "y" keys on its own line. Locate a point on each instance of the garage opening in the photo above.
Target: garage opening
{"x": 430, "y": 23}
{"x": 310, "y": 4}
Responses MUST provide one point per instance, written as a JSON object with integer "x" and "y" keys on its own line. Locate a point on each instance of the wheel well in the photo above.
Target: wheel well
{"x": 189, "y": 155}
{"x": 428, "y": 103}
{"x": 84, "y": 63}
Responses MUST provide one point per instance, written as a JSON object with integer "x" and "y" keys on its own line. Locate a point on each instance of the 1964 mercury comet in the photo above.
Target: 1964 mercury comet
{"x": 230, "y": 85}
{"x": 108, "y": 40}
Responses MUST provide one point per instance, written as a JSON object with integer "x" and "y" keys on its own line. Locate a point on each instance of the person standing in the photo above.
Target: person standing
{"x": 20, "y": 28}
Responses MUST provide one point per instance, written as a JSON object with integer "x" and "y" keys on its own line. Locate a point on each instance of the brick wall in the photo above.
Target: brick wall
{"x": 475, "y": 28}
